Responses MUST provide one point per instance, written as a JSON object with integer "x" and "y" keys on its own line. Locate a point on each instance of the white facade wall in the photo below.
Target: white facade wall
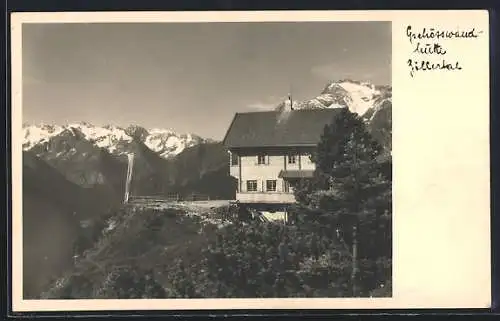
{"x": 306, "y": 163}
{"x": 251, "y": 170}
{"x": 248, "y": 168}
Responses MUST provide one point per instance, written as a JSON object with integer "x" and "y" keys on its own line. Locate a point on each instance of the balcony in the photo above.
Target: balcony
{"x": 266, "y": 197}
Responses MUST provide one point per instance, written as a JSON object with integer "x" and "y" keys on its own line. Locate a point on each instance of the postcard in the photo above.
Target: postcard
{"x": 250, "y": 160}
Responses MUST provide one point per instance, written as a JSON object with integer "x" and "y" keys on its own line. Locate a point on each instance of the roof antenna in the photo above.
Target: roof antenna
{"x": 290, "y": 98}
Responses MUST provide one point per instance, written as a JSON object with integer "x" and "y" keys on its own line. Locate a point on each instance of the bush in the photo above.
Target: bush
{"x": 267, "y": 260}
{"x": 130, "y": 282}
{"x": 128, "y": 247}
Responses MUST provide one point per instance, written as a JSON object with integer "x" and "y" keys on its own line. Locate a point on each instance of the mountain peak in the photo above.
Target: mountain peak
{"x": 359, "y": 96}
{"x": 137, "y": 132}
{"x": 112, "y": 138}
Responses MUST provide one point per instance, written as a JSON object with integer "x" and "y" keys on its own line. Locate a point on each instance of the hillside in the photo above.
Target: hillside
{"x": 176, "y": 252}
{"x": 139, "y": 240}
{"x": 38, "y": 176}
{"x": 53, "y": 208}
{"x": 197, "y": 168}
{"x": 73, "y": 181}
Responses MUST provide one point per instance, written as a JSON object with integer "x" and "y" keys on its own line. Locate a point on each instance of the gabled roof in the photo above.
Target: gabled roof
{"x": 278, "y": 129}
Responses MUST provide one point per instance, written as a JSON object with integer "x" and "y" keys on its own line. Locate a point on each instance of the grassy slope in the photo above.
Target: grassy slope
{"x": 146, "y": 239}
{"x": 150, "y": 242}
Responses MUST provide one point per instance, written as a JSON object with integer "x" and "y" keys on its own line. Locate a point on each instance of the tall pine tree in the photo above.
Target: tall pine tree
{"x": 351, "y": 189}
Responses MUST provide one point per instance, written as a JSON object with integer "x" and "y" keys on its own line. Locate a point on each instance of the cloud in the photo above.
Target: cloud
{"x": 262, "y": 106}
{"x": 267, "y": 104}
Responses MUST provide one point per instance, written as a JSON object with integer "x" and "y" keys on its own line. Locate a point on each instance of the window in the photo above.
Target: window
{"x": 252, "y": 186}
{"x": 292, "y": 159}
{"x": 271, "y": 186}
{"x": 261, "y": 159}
{"x": 237, "y": 185}
{"x": 234, "y": 159}
{"x": 286, "y": 186}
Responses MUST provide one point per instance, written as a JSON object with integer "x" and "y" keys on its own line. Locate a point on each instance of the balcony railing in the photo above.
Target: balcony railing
{"x": 265, "y": 197}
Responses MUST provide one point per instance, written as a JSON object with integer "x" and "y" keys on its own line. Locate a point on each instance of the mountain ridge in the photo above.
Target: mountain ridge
{"x": 166, "y": 142}
{"x": 360, "y": 97}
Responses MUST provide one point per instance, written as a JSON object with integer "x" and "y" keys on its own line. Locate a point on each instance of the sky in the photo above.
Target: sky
{"x": 190, "y": 77}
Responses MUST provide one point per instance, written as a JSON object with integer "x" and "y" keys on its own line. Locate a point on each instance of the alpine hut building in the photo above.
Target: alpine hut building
{"x": 269, "y": 150}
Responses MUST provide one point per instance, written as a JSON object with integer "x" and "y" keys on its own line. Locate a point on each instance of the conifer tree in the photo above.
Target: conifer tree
{"x": 351, "y": 189}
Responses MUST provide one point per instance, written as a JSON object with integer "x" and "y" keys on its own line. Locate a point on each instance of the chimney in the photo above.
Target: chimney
{"x": 287, "y": 106}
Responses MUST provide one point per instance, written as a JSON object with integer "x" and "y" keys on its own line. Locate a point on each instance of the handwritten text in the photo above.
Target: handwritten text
{"x": 426, "y": 44}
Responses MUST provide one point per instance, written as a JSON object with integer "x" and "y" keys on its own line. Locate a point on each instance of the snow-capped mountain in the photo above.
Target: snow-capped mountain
{"x": 360, "y": 97}
{"x": 167, "y": 143}
{"x": 373, "y": 103}
{"x": 113, "y": 138}
{"x": 33, "y": 135}
{"x": 93, "y": 157}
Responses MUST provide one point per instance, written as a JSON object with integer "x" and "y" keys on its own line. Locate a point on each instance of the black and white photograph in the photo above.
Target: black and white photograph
{"x": 176, "y": 161}
{"x": 207, "y": 160}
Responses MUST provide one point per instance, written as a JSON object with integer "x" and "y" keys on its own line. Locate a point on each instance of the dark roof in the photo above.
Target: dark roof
{"x": 296, "y": 174}
{"x": 273, "y": 128}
